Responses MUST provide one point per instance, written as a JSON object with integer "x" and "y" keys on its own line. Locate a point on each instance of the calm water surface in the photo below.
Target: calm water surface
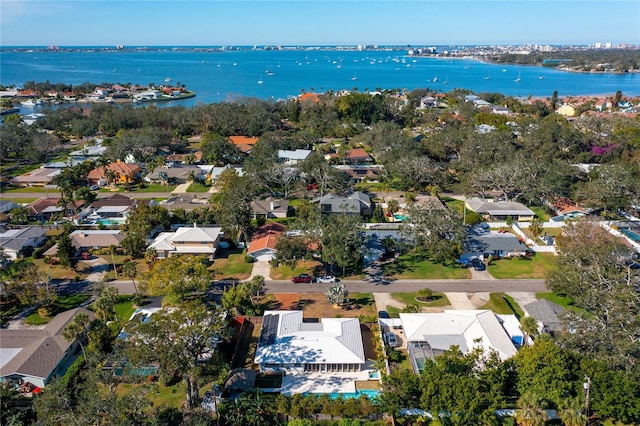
{"x": 228, "y": 75}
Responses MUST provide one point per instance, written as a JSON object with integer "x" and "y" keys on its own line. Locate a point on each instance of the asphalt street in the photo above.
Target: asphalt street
{"x": 465, "y": 286}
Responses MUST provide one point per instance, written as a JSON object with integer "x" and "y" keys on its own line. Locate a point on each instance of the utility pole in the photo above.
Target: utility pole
{"x": 587, "y": 388}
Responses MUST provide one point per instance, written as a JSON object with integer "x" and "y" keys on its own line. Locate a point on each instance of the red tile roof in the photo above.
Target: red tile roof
{"x": 119, "y": 168}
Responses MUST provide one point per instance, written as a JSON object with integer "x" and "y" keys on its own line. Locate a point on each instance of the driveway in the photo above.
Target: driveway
{"x": 522, "y": 298}
{"x": 459, "y": 301}
{"x": 261, "y": 267}
{"x": 384, "y": 299}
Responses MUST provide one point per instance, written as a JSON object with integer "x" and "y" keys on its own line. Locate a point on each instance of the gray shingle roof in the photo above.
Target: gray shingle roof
{"x": 547, "y": 313}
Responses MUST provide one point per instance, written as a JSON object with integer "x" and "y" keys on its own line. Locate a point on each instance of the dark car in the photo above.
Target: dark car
{"x": 383, "y": 314}
{"x": 302, "y": 278}
{"x": 478, "y": 265}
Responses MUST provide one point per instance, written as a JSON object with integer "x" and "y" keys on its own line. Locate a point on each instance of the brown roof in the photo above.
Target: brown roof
{"x": 118, "y": 168}
{"x": 358, "y": 153}
{"x": 38, "y": 206}
{"x": 266, "y": 237}
{"x": 243, "y": 140}
{"x": 113, "y": 200}
{"x": 40, "y": 350}
{"x": 94, "y": 238}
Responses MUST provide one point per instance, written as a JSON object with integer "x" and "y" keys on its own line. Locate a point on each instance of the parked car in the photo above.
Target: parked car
{"x": 383, "y": 314}
{"x": 391, "y": 339}
{"x": 326, "y": 279}
{"x": 94, "y": 187}
{"x": 302, "y": 278}
{"x": 478, "y": 265}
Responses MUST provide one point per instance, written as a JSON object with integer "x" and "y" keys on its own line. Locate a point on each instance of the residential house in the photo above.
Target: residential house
{"x": 7, "y": 206}
{"x": 188, "y": 240}
{"x": 547, "y": 314}
{"x": 565, "y": 208}
{"x": 213, "y": 173}
{"x": 187, "y": 202}
{"x": 13, "y": 242}
{"x": 181, "y": 174}
{"x": 111, "y": 210}
{"x": 90, "y": 152}
{"x": 503, "y": 110}
{"x": 290, "y": 345}
{"x": 36, "y": 355}
{"x": 357, "y": 156}
{"x": 431, "y": 334}
{"x": 38, "y": 177}
{"x": 86, "y": 240}
{"x": 270, "y": 208}
{"x": 293, "y": 157}
{"x": 567, "y": 110}
{"x": 243, "y": 143}
{"x": 499, "y": 210}
{"x": 45, "y": 208}
{"x": 356, "y": 203}
{"x": 263, "y": 241}
{"x": 494, "y": 244}
{"x": 359, "y": 173}
{"x": 179, "y": 159}
{"x": 123, "y": 173}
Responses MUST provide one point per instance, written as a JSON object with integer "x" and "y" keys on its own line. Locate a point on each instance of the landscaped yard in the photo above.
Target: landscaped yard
{"x": 536, "y": 267}
{"x": 417, "y": 266}
{"x": 564, "y": 301}
{"x": 198, "y": 187}
{"x": 61, "y": 304}
{"x": 283, "y": 272}
{"x": 501, "y": 303}
{"x": 542, "y": 212}
{"x": 438, "y": 299}
{"x": 141, "y": 267}
{"x": 316, "y": 305}
{"x": 57, "y": 272}
{"x": 232, "y": 267}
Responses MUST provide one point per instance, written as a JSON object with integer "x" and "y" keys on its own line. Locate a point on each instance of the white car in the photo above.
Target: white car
{"x": 326, "y": 279}
{"x": 392, "y": 340}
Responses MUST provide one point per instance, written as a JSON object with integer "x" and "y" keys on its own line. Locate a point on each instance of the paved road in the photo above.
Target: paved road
{"x": 55, "y": 194}
{"x": 452, "y": 286}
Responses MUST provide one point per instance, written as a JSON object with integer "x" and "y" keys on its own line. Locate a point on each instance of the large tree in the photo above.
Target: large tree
{"x": 180, "y": 340}
{"x": 177, "y": 275}
{"x": 592, "y": 272}
{"x": 342, "y": 240}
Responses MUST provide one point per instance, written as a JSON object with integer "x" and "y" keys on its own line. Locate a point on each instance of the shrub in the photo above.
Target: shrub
{"x": 249, "y": 259}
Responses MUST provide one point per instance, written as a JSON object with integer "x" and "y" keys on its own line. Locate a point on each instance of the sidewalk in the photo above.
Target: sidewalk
{"x": 181, "y": 189}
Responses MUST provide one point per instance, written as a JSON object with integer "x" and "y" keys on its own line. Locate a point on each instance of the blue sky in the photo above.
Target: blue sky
{"x": 269, "y": 22}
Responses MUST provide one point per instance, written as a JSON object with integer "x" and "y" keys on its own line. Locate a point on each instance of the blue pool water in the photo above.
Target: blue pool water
{"x": 370, "y": 393}
{"x": 109, "y": 222}
{"x": 399, "y": 216}
{"x": 632, "y": 235}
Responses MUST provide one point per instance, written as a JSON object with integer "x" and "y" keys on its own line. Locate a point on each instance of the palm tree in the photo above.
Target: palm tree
{"x": 105, "y": 304}
{"x": 530, "y": 410}
{"x": 571, "y": 413}
{"x": 110, "y": 176}
{"x": 112, "y": 250}
{"x": 102, "y": 163}
{"x": 529, "y": 327}
{"x": 130, "y": 270}
{"x": 150, "y": 255}
{"x": 393, "y": 206}
{"x": 77, "y": 329}
{"x": 164, "y": 178}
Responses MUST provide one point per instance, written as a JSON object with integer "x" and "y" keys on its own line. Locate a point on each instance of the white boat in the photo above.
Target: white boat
{"x": 260, "y": 81}
{"x": 517, "y": 80}
{"x": 487, "y": 77}
{"x": 435, "y": 79}
{"x": 32, "y": 102}
{"x": 167, "y": 80}
{"x": 355, "y": 77}
{"x": 541, "y": 77}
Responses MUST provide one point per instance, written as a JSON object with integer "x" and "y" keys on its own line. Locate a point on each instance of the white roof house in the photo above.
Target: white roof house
{"x": 188, "y": 240}
{"x": 288, "y": 344}
{"x": 293, "y": 157}
{"x": 431, "y": 334}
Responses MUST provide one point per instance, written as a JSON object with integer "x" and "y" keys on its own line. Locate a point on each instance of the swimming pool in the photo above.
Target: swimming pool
{"x": 372, "y": 394}
{"x": 400, "y": 217}
{"x": 632, "y": 235}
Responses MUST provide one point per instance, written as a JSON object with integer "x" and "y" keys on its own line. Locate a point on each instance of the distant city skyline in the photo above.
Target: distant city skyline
{"x": 268, "y": 22}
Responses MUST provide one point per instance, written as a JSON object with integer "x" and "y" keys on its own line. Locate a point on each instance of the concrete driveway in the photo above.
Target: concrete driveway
{"x": 261, "y": 267}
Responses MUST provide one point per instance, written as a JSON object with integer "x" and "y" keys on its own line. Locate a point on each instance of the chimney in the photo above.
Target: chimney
{"x": 271, "y": 205}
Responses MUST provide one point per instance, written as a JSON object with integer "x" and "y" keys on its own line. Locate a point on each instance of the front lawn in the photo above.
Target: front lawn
{"x": 542, "y": 212}
{"x": 232, "y": 267}
{"x": 501, "y": 303}
{"x": 198, "y": 187}
{"x": 156, "y": 188}
{"x": 61, "y": 304}
{"x": 535, "y": 267}
{"x": 124, "y": 307}
{"x": 417, "y": 266}
{"x": 283, "y": 272}
{"x": 57, "y": 272}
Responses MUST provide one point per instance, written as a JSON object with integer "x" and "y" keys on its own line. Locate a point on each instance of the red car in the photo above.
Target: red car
{"x": 302, "y": 278}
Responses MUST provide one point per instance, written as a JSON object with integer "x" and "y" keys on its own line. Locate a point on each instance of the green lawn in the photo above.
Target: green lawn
{"x": 169, "y": 396}
{"x": 198, "y": 187}
{"x": 501, "y": 303}
{"x": 232, "y": 267}
{"x": 283, "y": 272}
{"x": 542, "y": 212}
{"x": 536, "y": 267}
{"x": 564, "y": 301}
{"x": 29, "y": 189}
{"x": 20, "y": 200}
{"x": 439, "y": 299}
{"x": 454, "y": 204}
{"x": 417, "y": 266}
{"x": 124, "y": 308}
{"x": 156, "y": 188}
{"x": 62, "y": 303}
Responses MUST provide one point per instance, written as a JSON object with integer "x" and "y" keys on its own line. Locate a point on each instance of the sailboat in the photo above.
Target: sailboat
{"x": 517, "y": 80}
{"x": 446, "y": 80}
{"x": 354, "y": 78}
{"x": 260, "y": 81}
{"x": 435, "y": 79}
{"x": 486, "y": 77}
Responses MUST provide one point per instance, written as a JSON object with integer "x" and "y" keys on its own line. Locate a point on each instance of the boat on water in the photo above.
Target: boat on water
{"x": 32, "y": 102}
{"x": 260, "y": 80}
{"x": 167, "y": 80}
{"x": 541, "y": 77}
{"x": 486, "y": 77}
{"x": 355, "y": 77}
{"x": 517, "y": 80}
{"x": 435, "y": 79}
{"x": 7, "y": 111}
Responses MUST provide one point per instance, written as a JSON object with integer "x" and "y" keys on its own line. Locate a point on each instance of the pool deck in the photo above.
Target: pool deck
{"x": 326, "y": 382}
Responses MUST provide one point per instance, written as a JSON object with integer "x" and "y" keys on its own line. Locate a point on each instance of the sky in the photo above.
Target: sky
{"x": 316, "y": 22}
